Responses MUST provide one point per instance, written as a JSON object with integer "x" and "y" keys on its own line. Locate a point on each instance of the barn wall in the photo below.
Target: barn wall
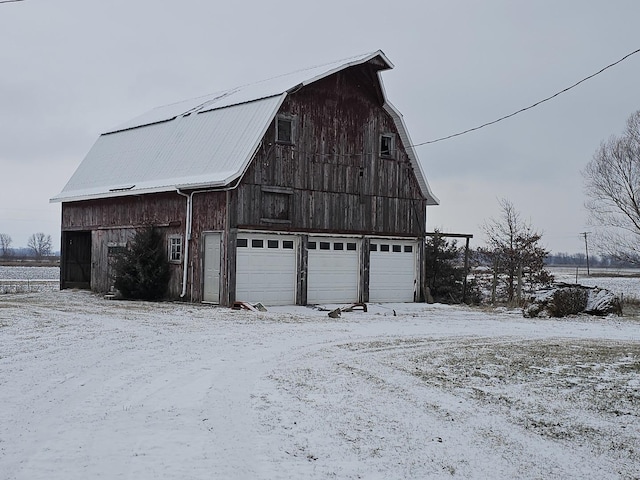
{"x": 333, "y": 178}
{"x": 209, "y": 215}
{"x": 112, "y": 223}
{"x": 130, "y": 211}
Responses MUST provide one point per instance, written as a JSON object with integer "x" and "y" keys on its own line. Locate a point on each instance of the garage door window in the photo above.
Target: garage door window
{"x": 257, "y": 243}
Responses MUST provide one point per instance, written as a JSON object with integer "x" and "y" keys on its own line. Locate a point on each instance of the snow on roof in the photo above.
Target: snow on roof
{"x": 254, "y": 91}
{"x": 201, "y": 142}
{"x": 198, "y": 150}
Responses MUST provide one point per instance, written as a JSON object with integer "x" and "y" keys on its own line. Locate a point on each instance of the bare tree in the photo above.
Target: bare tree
{"x": 513, "y": 246}
{"x": 612, "y": 186}
{"x": 5, "y": 244}
{"x": 40, "y": 244}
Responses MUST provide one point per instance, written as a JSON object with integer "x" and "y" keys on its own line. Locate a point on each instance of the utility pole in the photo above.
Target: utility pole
{"x": 586, "y": 249}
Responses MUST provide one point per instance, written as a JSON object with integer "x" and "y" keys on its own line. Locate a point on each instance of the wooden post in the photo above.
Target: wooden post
{"x": 365, "y": 269}
{"x": 494, "y": 283}
{"x": 303, "y": 270}
{"x": 519, "y": 289}
{"x": 466, "y": 271}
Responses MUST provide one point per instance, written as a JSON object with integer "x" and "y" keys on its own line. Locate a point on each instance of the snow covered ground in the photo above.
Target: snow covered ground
{"x": 16, "y": 279}
{"x": 94, "y": 388}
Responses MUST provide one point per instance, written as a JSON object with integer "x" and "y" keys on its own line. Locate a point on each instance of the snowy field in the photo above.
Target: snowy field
{"x": 94, "y": 388}
{"x": 28, "y": 279}
{"x": 624, "y": 282}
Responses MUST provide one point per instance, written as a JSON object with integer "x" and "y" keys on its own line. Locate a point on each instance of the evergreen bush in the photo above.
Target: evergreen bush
{"x": 142, "y": 271}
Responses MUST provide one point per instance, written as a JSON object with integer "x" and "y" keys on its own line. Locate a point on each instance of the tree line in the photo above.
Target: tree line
{"x": 39, "y": 245}
{"x": 580, "y": 260}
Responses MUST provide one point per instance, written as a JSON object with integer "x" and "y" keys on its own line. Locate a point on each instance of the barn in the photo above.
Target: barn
{"x": 301, "y": 189}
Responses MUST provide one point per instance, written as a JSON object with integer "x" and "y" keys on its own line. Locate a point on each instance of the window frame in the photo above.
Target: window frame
{"x": 175, "y": 248}
{"x": 292, "y": 129}
{"x": 391, "y": 151}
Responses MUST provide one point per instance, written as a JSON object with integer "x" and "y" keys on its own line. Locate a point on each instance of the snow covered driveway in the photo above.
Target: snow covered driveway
{"x": 92, "y": 388}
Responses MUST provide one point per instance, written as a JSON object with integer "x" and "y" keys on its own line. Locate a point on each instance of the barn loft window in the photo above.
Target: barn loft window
{"x": 276, "y": 205}
{"x": 175, "y": 248}
{"x": 387, "y": 145}
{"x": 284, "y": 130}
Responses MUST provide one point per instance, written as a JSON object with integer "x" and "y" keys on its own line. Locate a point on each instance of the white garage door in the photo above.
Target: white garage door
{"x": 266, "y": 269}
{"x": 392, "y": 270}
{"x": 333, "y": 266}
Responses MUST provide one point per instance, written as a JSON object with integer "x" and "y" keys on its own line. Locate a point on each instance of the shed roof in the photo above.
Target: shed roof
{"x": 204, "y": 142}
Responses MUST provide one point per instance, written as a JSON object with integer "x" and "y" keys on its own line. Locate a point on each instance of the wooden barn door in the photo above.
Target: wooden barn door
{"x": 211, "y": 287}
{"x": 76, "y": 261}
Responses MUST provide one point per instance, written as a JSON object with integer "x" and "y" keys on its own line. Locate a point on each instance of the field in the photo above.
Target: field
{"x": 101, "y": 388}
{"x": 19, "y": 279}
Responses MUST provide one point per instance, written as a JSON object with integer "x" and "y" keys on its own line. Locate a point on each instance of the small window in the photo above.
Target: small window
{"x": 287, "y": 244}
{"x": 373, "y": 247}
{"x": 397, "y": 248}
{"x": 351, "y": 246}
{"x": 242, "y": 242}
{"x": 311, "y": 245}
{"x": 175, "y": 248}
{"x": 338, "y": 246}
{"x": 325, "y": 246}
{"x": 284, "y": 130}
{"x": 257, "y": 243}
{"x": 408, "y": 248}
{"x": 387, "y": 146}
{"x": 384, "y": 248}
{"x": 272, "y": 243}
{"x": 116, "y": 249}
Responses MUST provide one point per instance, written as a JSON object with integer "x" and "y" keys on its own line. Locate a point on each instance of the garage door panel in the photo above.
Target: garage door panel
{"x": 333, "y": 270}
{"x": 393, "y": 270}
{"x": 266, "y": 269}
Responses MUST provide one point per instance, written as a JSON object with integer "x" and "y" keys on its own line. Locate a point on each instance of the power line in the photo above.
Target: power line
{"x": 530, "y": 106}
{"x": 10, "y": 1}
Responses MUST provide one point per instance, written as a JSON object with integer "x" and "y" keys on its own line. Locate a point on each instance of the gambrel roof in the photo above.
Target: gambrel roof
{"x": 205, "y": 142}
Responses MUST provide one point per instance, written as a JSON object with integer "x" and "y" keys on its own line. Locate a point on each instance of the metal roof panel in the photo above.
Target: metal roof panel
{"x": 209, "y": 148}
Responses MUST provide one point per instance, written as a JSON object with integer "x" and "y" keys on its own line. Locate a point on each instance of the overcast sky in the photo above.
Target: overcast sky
{"x": 71, "y": 69}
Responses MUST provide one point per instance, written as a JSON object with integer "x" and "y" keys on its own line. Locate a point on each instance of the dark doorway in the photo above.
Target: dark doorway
{"x": 75, "y": 267}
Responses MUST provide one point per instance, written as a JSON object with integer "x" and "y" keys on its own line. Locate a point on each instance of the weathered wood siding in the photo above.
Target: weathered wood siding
{"x": 130, "y": 211}
{"x": 113, "y": 221}
{"x": 209, "y": 215}
{"x": 332, "y": 177}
